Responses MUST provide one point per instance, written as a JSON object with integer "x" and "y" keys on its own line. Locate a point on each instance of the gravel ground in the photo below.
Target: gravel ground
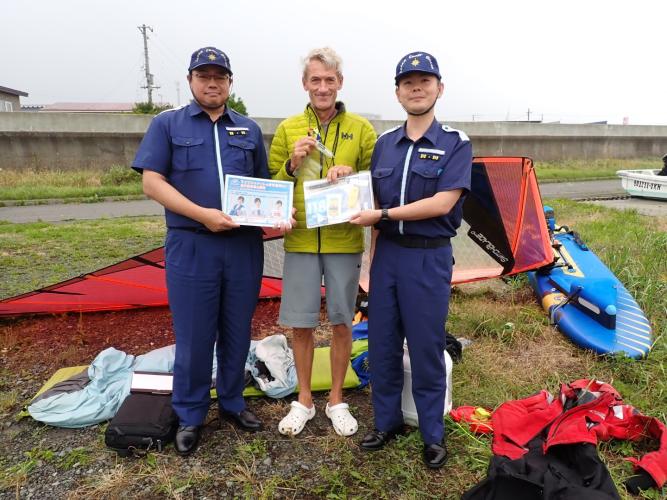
{"x": 38, "y": 461}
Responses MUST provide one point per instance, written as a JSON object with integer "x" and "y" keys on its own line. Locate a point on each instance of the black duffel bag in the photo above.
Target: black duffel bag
{"x": 144, "y": 422}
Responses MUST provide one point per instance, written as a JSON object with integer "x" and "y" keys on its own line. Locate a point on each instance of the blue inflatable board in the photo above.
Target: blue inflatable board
{"x": 588, "y": 304}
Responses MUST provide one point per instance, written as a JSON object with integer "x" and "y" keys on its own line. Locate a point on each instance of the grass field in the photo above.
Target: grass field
{"x": 579, "y": 170}
{"x": 514, "y": 352}
{"x": 81, "y": 185}
{"x": 122, "y": 182}
{"x": 38, "y": 254}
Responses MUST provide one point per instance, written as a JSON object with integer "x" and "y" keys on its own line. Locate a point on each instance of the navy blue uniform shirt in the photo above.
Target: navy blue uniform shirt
{"x": 405, "y": 171}
{"x": 190, "y": 150}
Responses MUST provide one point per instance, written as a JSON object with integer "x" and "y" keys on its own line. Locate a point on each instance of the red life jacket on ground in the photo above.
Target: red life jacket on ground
{"x": 586, "y": 411}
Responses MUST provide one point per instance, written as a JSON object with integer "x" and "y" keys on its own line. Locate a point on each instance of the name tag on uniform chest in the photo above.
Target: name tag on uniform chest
{"x": 232, "y": 131}
{"x": 430, "y": 154}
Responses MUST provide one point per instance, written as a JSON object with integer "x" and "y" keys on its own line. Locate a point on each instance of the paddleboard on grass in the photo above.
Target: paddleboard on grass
{"x": 586, "y": 301}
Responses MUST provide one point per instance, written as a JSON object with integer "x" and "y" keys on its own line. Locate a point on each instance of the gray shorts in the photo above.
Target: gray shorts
{"x": 302, "y": 279}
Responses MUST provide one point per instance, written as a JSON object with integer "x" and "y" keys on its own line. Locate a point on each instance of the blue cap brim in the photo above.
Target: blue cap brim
{"x": 211, "y": 63}
{"x": 434, "y": 73}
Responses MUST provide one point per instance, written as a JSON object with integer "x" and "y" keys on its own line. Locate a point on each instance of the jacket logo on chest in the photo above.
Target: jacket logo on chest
{"x": 347, "y": 135}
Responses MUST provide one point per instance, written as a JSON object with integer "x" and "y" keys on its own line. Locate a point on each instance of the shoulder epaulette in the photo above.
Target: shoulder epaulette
{"x": 462, "y": 135}
{"x": 171, "y": 109}
{"x": 393, "y": 129}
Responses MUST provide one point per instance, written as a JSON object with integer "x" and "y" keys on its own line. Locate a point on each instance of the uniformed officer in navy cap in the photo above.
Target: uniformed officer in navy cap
{"x": 421, "y": 174}
{"x": 213, "y": 266}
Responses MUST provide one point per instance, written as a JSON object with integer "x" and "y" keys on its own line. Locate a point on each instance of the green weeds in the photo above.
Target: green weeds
{"x": 578, "y": 170}
{"x": 39, "y": 254}
{"x": 78, "y": 457}
{"x": 8, "y": 401}
{"x": 88, "y": 185}
{"x": 15, "y": 475}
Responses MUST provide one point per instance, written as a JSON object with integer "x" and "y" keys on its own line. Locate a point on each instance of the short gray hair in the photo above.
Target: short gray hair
{"x": 328, "y": 57}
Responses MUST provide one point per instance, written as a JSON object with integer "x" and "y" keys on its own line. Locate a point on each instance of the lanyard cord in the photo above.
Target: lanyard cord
{"x": 404, "y": 181}
{"x": 323, "y": 160}
{"x": 335, "y": 144}
{"x": 218, "y": 161}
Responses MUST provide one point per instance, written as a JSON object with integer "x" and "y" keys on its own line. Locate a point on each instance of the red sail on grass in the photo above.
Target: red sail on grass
{"x": 503, "y": 233}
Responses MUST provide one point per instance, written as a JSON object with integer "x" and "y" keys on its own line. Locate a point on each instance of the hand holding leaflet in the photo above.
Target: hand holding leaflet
{"x": 250, "y": 201}
{"x": 335, "y": 202}
{"x": 338, "y": 171}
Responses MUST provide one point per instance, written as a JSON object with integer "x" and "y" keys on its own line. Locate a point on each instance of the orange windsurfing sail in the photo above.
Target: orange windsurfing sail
{"x": 503, "y": 232}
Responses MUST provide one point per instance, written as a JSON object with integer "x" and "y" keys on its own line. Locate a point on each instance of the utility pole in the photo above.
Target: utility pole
{"x": 149, "y": 77}
{"x": 178, "y": 93}
{"x": 528, "y": 114}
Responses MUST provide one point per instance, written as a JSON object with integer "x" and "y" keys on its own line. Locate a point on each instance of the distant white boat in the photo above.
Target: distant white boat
{"x": 644, "y": 183}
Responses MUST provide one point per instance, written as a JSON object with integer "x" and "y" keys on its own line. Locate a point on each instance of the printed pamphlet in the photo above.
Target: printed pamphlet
{"x": 250, "y": 201}
{"x": 335, "y": 202}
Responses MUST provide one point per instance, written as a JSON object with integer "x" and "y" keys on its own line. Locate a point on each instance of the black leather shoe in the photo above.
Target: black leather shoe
{"x": 376, "y": 440}
{"x": 435, "y": 455}
{"x": 187, "y": 439}
{"x": 245, "y": 420}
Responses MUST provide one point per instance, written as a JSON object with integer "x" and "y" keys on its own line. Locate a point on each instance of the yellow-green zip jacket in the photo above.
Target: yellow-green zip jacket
{"x": 351, "y": 138}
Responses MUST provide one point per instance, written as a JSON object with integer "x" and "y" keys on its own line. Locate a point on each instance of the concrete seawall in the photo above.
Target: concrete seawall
{"x": 83, "y": 140}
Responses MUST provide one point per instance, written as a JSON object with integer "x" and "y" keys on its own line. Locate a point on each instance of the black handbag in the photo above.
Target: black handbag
{"x": 144, "y": 422}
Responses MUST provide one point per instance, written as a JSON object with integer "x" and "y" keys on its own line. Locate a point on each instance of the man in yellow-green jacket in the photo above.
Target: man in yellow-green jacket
{"x": 333, "y": 252}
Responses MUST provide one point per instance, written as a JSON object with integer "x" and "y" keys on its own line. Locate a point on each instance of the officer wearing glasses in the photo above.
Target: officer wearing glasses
{"x": 213, "y": 266}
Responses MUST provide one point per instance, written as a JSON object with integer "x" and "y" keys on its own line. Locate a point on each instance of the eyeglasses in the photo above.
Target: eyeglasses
{"x": 216, "y": 77}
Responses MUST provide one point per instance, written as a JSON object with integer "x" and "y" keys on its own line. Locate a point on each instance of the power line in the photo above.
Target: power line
{"x": 166, "y": 60}
{"x": 121, "y": 78}
{"x": 163, "y": 48}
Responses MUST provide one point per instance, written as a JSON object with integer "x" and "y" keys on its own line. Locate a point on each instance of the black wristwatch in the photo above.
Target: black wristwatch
{"x": 385, "y": 214}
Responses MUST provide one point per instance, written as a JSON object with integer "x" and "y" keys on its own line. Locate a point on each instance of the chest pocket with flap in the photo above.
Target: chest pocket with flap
{"x": 187, "y": 153}
{"x": 238, "y": 158}
{"x": 383, "y": 188}
{"x": 423, "y": 180}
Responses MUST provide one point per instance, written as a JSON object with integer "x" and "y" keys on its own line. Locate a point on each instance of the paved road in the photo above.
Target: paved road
{"x": 70, "y": 211}
{"x": 583, "y": 189}
{"x": 109, "y": 209}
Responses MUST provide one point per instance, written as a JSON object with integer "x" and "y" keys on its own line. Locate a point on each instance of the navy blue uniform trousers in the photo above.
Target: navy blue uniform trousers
{"x": 213, "y": 281}
{"x": 409, "y": 299}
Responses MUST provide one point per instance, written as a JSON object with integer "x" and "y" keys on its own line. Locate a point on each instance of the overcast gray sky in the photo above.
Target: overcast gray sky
{"x": 573, "y": 61}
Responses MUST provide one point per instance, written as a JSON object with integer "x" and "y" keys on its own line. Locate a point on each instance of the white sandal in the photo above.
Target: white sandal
{"x": 296, "y": 419}
{"x": 342, "y": 420}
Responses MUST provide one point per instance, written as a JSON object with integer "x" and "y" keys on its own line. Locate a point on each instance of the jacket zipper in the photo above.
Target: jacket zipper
{"x": 335, "y": 146}
{"x": 319, "y": 127}
{"x": 603, "y": 400}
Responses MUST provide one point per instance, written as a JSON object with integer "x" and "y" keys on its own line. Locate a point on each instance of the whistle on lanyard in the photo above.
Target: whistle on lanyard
{"x": 318, "y": 143}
